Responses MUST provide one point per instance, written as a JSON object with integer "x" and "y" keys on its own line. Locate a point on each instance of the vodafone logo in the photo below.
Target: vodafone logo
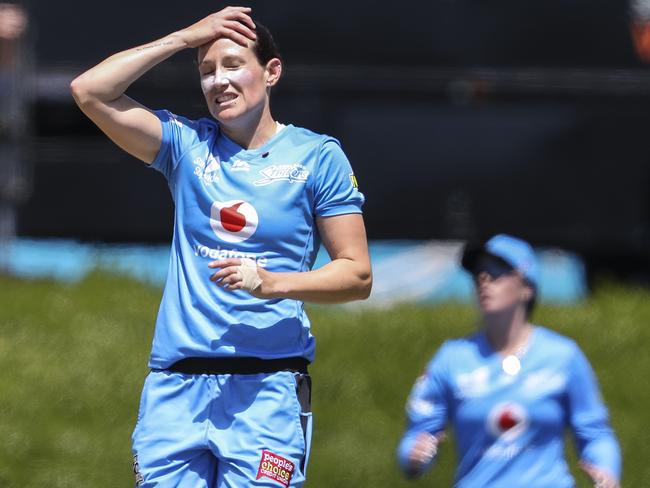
{"x": 508, "y": 421}
{"x": 233, "y": 221}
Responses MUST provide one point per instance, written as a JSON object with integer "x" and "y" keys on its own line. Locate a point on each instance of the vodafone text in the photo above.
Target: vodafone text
{"x": 219, "y": 253}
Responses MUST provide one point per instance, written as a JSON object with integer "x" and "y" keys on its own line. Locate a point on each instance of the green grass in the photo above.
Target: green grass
{"x": 73, "y": 358}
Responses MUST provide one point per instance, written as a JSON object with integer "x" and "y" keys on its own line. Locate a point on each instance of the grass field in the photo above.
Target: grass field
{"x": 73, "y": 358}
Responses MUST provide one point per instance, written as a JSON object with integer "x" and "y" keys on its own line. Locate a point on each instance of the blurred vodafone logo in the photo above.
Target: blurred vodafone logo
{"x": 507, "y": 421}
{"x": 233, "y": 221}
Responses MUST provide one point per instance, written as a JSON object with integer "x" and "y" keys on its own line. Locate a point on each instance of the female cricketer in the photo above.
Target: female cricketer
{"x": 227, "y": 401}
{"x": 510, "y": 390}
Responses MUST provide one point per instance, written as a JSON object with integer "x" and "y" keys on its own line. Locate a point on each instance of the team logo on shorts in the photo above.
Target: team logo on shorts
{"x": 507, "y": 421}
{"x": 276, "y": 468}
{"x": 233, "y": 221}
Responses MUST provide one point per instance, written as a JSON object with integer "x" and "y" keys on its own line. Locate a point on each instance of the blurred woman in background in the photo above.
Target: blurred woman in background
{"x": 510, "y": 390}
{"x": 227, "y": 401}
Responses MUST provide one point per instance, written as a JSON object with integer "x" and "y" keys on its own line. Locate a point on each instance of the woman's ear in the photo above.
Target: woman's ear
{"x": 527, "y": 293}
{"x": 273, "y": 72}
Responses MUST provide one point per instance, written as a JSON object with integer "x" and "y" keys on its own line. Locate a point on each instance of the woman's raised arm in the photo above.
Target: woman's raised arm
{"x": 100, "y": 91}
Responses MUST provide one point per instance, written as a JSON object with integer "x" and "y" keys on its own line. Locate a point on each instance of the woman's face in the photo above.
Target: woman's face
{"x": 499, "y": 287}
{"x": 233, "y": 81}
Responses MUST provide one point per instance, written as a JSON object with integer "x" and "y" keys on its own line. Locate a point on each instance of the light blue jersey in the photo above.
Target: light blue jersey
{"x": 509, "y": 428}
{"x": 231, "y": 202}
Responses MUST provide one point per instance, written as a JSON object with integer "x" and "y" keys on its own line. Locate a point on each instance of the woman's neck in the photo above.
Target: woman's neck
{"x": 252, "y": 132}
{"x": 507, "y": 332}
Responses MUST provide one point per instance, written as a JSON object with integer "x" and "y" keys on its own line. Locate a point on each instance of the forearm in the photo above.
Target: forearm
{"x": 109, "y": 80}
{"x": 341, "y": 280}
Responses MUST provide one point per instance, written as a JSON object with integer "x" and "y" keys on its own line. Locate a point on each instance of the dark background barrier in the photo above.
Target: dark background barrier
{"x": 461, "y": 118}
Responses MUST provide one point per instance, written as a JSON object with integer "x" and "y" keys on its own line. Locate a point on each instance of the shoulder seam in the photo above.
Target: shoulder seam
{"x": 188, "y": 149}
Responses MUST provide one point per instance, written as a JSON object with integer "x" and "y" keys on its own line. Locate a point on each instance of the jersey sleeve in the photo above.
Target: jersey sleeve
{"x": 594, "y": 438}
{"x": 426, "y": 408}
{"x": 336, "y": 191}
{"x": 174, "y": 131}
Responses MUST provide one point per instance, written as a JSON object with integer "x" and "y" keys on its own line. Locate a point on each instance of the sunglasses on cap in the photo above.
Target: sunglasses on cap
{"x": 494, "y": 267}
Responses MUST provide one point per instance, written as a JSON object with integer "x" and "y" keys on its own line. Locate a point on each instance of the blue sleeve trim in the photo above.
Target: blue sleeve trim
{"x": 341, "y": 209}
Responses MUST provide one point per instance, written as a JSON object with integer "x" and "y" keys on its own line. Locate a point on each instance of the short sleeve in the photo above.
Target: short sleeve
{"x": 175, "y": 131}
{"x": 336, "y": 191}
{"x": 595, "y": 441}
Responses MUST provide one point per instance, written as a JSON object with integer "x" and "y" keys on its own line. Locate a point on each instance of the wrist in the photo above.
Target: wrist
{"x": 179, "y": 39}
{"x": 272, "y": 284}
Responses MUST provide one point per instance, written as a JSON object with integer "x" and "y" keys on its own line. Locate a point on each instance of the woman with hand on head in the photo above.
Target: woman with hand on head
{"x": 509, "y": 390}
{"x": 227, "y": 401}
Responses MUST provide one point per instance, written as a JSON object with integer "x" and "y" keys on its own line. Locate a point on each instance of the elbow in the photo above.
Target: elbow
{"x": 365, "y": 286}
{"x": 80, "y": 91}
{"x": 77, "y": 89}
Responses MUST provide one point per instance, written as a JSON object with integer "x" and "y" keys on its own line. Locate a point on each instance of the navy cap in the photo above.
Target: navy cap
{"x": 516, "y": 252}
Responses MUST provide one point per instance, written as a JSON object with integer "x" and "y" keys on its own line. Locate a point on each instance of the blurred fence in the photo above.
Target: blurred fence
{"x": 403, "y": 271}
{"x": 461, "y": 119}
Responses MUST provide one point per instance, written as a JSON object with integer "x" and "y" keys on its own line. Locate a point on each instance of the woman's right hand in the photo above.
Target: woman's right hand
{"x": 234, "y": 23}
{"x": 599, "y": 477}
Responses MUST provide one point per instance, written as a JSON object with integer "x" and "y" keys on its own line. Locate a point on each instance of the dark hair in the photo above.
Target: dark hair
{"x": 530, "y": 305}
{"x": 265, "y": 47}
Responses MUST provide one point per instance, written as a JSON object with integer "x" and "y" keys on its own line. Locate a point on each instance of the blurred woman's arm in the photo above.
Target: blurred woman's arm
{"x": 597, "y": 446}
{"x": 427, "y": 411}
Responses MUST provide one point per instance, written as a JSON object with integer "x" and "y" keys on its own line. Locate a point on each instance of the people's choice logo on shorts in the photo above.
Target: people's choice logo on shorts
{"x": 233, "y": 221}
{"x": 507, "y": 421}
{"x": 293, "y": 173}
{"x": 276, "y": 468}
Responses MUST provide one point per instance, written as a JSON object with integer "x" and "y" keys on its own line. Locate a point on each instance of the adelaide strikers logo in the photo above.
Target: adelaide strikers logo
{"x": 507, "y": 421}
{"x": 233, "y": 221}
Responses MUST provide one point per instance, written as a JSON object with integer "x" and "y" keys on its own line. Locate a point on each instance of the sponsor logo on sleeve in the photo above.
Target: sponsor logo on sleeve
{"x": 275, "y": 468}
{"x": 293, "y": 173}
{"x": 353, "y": 180}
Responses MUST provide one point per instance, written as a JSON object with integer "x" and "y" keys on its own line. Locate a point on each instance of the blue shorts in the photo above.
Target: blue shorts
{"x": 222, "y": 431}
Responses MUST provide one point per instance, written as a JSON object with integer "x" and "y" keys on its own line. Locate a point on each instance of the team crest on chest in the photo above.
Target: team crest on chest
{"x": 293, "y": 173}
{"x": 207, "y": 169}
